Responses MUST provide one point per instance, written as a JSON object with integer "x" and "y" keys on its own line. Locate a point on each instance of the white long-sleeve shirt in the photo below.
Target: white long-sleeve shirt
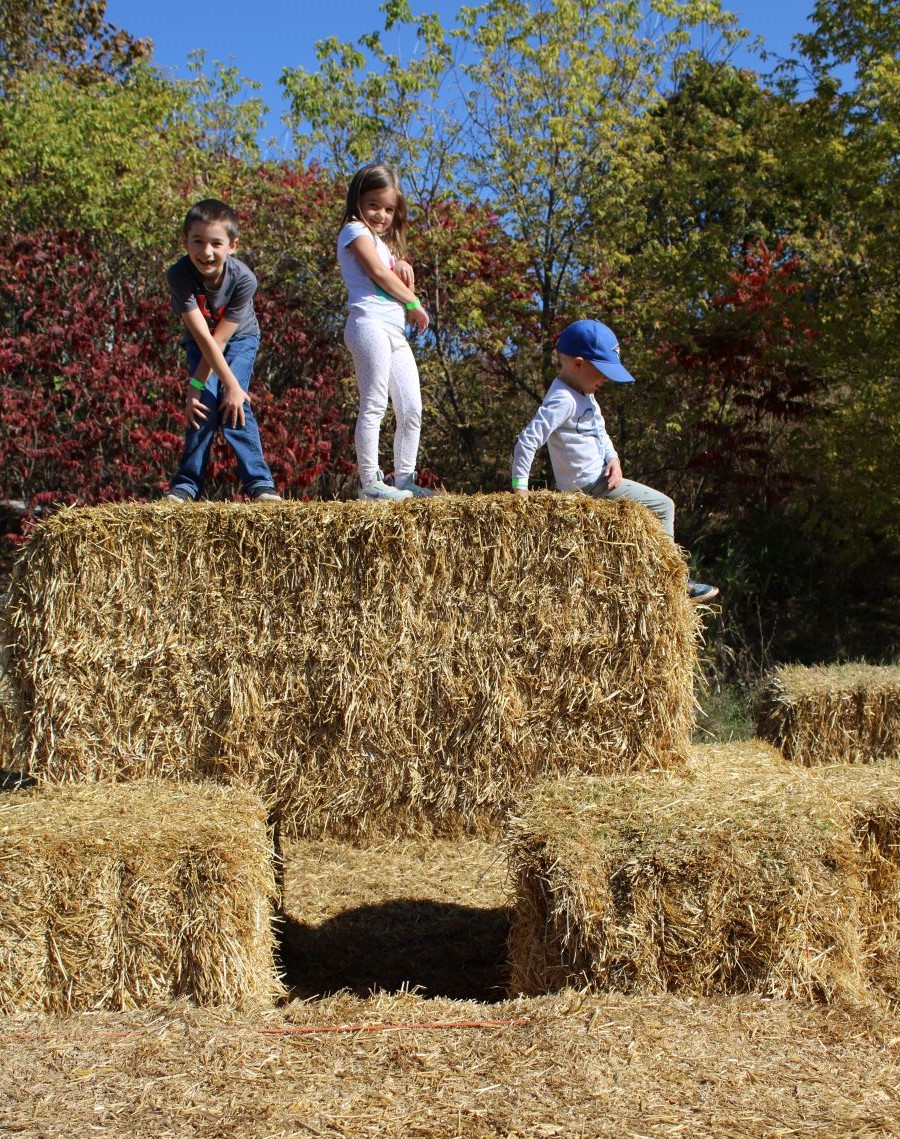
{"x": 572, "y": 426}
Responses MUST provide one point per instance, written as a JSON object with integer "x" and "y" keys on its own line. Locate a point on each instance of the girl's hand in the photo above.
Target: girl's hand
{"x": 404, "y": 271}
{"x": 418, "y": 317}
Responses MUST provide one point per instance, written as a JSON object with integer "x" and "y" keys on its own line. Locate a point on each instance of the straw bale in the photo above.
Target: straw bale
{"x": 741, "y": 874}
{"x": 368, "y": 670}
{"x": 846, "y": 713}
{"x": 10, "y": 718}
{"x": 116, "y": 896}
{"x": 399, "y": 1067}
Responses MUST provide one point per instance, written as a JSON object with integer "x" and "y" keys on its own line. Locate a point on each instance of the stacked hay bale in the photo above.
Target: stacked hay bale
{"x": 847, "y": 713}
{"x": 741, "y": 874}
{"x": 366, "y": 670}
{"x": 117, "y": 896}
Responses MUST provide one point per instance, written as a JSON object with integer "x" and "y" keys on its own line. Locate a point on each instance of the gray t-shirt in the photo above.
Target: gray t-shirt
{"x": 232, "y": 300}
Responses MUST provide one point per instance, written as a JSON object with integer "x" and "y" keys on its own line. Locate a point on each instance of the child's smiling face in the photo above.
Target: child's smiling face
{"x": 377, "y": 209}
{"x": 208, "y": 245}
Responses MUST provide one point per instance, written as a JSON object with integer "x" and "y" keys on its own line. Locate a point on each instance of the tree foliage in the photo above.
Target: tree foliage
{"x": 562, "y": 159}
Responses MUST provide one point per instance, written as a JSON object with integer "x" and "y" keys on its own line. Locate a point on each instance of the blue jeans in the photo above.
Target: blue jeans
{"x": 252, "y": 468}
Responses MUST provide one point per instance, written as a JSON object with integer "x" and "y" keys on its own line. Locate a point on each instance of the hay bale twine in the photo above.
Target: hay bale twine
{"x": 845, "y": 713}
{"x": 742, "y": 874}
{"x": 367, "y": 669}
{"x": 120, "y": 896}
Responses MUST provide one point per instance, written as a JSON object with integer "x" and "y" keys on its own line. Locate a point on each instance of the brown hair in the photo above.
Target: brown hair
{"x": 212, "y": 210}
{"x": 378, "y": 177}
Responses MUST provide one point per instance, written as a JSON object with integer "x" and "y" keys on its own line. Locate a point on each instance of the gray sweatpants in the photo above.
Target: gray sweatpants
{"x": 661, "y": 505}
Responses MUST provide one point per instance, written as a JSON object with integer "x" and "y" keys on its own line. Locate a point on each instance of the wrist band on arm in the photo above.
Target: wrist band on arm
{"x": 198, "y": 384}
{"x": 410, "y": 305}
{"x": 520, "y": 484}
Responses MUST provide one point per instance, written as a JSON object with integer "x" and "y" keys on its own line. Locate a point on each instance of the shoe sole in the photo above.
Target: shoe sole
{"x": 708, "y": 596}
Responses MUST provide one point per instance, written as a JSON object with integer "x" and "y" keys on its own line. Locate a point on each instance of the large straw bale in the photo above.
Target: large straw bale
{"x": 367, "y": 669}
{"x": 117, "y": 896}
{"x": 741, "y": 874}
{"x": 846, "y": 713}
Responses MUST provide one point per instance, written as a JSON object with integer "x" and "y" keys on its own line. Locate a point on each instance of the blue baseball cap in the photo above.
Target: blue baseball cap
{"x": 598, "y": 345}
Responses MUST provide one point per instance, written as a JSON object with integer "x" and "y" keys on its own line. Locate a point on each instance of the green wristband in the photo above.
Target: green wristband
{"x": 520, "y": 484}
{"x": 198, "y": 384}
{"x": 410, "y": 305}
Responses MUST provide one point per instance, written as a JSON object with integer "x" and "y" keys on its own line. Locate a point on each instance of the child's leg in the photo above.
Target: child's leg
{"x": 406, "y": 400}
{"x": 661, "y": 505}
{"x": 253, "y": 470}
{"x": 370, "y": 345}
{"x": 197, "y": 440}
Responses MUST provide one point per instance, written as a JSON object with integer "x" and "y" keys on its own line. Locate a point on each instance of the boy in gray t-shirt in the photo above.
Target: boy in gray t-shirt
{"x": 213, "y": 292}
{"x": 570, "y": 423}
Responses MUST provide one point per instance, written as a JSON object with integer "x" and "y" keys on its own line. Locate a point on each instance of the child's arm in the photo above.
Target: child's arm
{"x": 380, "y": 274}
{"x": 552, "y": 413}
{"x": 210, "y": 345}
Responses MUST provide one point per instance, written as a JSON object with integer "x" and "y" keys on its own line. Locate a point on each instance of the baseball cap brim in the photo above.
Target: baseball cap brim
{"x": 613, "y": 370}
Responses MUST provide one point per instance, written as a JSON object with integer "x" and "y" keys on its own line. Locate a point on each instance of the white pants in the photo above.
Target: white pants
{"x": 385, "y": 369}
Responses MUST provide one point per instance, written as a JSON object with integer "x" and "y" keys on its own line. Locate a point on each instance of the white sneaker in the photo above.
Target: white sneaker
{"x": 408, "y": 482}
{"x": 178, "y": 497}
{"x": 378, "y": 491}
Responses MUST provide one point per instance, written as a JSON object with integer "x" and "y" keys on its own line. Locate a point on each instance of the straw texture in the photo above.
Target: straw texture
{"x": 743, "y": 874}
{"x": 399, "y": 1067}
{"x": 847, "y": 713}
{"x": 116, "y": 896}
{"x": 366, "y": 669}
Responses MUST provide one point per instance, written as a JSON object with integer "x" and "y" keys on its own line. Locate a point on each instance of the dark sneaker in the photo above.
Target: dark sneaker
{"x": 177, "y": 496}
{"x": 698, "y": 592}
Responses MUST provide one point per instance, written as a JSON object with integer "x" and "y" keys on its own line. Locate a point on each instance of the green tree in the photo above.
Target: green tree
{"x": 73, "y": 35}
{"x": 101, "y": 157}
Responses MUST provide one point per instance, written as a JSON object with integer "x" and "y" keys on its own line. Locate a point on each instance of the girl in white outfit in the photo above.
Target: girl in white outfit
{"x": 371, "y": 252}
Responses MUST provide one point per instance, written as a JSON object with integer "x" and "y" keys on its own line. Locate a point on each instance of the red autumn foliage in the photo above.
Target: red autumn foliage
{"x": 93, "y": 383}
{"x": 747, "y": 369}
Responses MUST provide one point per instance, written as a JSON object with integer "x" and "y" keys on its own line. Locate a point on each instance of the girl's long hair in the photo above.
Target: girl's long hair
{"x": 378, "y": 177}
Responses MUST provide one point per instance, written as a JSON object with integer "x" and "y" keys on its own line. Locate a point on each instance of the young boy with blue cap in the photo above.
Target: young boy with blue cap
{"x": 569, "y": 421}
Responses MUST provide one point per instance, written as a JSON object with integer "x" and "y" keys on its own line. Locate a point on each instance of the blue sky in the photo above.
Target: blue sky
{"x": 262, "y": 38}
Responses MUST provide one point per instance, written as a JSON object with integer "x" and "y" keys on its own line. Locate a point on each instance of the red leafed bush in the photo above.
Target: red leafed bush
{"x": 92, "y": 402}
{"x": 93, "y": 383}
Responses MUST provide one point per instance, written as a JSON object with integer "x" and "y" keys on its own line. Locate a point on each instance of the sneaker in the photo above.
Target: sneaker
{"x": 408, "y": 482}
{"x": 698, "y": 592}
{"x": 266, "y": 494}
{"x": 177, "y": 496}
{"x": 378, "y": 491}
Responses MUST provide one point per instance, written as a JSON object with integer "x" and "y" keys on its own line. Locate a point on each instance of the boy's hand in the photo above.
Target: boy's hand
{"x": 417, "y": 317}
{"x": 405, "y": 272}
{"x": 520, "y": 490}
{"x": 613, "y": 472}
{"x": 194, "y": 410}
{"x": 232, "y": 405}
